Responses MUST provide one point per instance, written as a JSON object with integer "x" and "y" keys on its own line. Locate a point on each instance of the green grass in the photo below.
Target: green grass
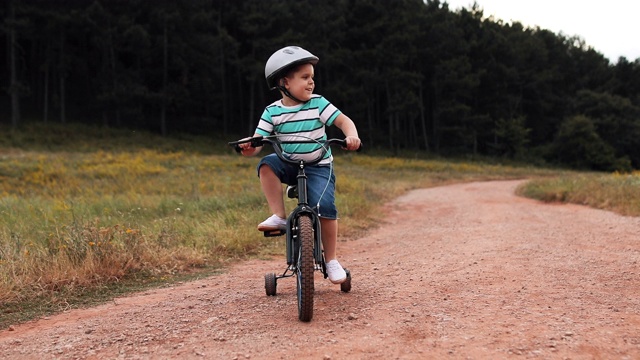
{"x": 615, "y": 192}
{"x": 88, "y": 213}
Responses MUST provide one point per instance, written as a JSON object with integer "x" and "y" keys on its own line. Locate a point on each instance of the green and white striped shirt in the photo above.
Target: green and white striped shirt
{"x": 300, "y": 123}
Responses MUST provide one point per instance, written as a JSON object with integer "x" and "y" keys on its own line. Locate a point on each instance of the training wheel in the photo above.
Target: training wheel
{"x": 270, "y": 284}
{"x": 346, "y": 285}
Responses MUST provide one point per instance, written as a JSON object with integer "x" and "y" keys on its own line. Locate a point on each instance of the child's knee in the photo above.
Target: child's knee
{"x": 265, "y": 169}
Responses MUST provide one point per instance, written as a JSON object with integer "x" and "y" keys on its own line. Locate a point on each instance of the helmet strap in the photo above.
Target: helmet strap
{"x": 288, "y": 94}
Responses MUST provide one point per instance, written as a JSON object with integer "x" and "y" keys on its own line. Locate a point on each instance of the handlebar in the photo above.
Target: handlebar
{"x": 259, "y": 141}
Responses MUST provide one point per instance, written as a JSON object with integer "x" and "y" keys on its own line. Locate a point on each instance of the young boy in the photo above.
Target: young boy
{"x": 301, "y": 115}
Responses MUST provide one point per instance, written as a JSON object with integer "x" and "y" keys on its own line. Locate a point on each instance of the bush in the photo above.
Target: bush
{"x": 578, "y": 144}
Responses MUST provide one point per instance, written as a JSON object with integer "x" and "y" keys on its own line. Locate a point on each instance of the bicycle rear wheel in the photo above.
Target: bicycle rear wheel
{"x": 305, "y": 268}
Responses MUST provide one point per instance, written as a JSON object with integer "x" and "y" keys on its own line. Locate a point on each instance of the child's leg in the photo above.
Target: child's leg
{"x": 272, "y": 189}
{"x": 335, "y": 272}
{"x": 329, "y": 230}
{"x": 321, "y": 191}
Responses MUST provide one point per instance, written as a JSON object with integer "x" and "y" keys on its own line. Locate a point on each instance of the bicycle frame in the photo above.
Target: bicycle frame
{"x": 303, "y": 208}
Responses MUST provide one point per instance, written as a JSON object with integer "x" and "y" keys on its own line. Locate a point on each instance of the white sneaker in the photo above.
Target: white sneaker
{"x": 336, "y": 272}
{"x": 274, "y": 222}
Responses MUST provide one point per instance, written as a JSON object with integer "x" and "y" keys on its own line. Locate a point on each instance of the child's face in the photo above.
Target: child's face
{"x": 300, "y": 82}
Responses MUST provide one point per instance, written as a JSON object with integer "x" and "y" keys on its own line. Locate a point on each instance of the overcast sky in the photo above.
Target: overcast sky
{"x": 611, "y": 27}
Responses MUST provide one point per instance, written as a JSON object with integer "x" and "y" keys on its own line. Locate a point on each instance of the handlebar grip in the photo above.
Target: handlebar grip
{"x": 255, "y": 142}
{"x": 236, "y": 146}
{"x": 343, "y": 143}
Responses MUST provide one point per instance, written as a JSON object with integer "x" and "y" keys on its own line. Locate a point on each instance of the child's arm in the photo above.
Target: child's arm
{"x": 344, "y": 123}
{"x": 247, "y": 150}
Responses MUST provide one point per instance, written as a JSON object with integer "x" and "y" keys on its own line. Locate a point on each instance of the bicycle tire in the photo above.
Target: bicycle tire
{"x": 270, "y": 284}
{"x": 305, "y": 268}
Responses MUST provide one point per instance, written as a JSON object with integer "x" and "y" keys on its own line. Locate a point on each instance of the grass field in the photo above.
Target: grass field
{"x": 87, "y": 213}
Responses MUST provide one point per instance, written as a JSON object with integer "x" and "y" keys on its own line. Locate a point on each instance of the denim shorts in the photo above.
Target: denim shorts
{"x": 321, "y": 183}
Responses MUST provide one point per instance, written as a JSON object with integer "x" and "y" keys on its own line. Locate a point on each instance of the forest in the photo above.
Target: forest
{"x": 414, "y": 75}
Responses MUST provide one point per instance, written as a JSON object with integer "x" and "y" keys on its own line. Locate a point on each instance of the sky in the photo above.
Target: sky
{"x": 610, "y": 27}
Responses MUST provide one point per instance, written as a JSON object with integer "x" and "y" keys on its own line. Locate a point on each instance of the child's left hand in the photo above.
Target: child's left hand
{"x": 353, "y": 143}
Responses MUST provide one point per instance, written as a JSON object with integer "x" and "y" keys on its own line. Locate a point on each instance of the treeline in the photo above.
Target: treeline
{"x": 413, "y": 74}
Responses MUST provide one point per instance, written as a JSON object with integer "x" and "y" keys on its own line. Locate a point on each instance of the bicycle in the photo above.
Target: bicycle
{"x": 303, "y": 233}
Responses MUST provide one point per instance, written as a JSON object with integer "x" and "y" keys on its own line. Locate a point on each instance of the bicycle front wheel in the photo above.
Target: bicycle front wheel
{"x": 305, "y": 268}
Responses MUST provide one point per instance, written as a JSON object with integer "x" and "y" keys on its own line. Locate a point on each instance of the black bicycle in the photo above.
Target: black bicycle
{"x": 303, "y": 240}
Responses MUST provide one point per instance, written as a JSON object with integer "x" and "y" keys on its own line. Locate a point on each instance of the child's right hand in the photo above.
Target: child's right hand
{"x": 246, "y": 149}
{"x": 245, "y": 145}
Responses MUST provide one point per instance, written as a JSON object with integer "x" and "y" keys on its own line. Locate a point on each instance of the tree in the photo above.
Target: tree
{"x": 446, "y": 69}
{"x": 615, "y": 119}
{"x": 15, "y": 85}
{"x": 578, "y": 144}
{"x": 512, "y": 137}
{"x": 412, "y": 73}
{"x": 626, "y": 80}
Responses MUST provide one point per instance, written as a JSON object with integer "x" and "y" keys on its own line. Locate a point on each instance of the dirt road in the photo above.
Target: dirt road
{"x": 459, "y": 272}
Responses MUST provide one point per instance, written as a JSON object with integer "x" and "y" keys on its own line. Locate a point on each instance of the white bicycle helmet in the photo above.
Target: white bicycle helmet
{"x": 283, "y": 60}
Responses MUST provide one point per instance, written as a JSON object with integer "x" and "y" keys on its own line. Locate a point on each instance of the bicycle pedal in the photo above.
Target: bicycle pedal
{"x": 274, "y": 233}
{"x": 292, "y": 191}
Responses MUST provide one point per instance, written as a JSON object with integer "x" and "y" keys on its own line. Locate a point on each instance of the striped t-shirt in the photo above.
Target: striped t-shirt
{"x": 300, "y": 123}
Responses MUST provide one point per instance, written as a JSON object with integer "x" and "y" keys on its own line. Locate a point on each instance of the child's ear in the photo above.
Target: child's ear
{"x": 284, "y": 82}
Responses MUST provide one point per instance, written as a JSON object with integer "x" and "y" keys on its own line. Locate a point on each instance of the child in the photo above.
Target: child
{"x": 301, "y": 115}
